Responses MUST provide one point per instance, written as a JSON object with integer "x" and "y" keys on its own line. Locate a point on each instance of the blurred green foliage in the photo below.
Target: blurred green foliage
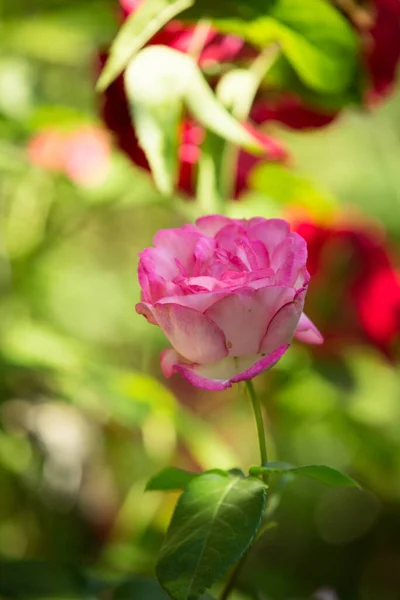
{"x": 85, "y": 417}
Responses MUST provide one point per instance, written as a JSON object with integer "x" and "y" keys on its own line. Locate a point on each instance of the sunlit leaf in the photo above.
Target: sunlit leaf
{"x": 317, "y": 41}
{"x": 237, "y": 89}
{"x": 322, "y": 473}
{"x": 215, "y": 521}
{"x": 139, "y": 28}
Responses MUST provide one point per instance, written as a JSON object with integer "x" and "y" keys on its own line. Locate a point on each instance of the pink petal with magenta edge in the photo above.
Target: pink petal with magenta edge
{"x": 193, "y": 335}
{"x": 271, "y": 232}
{"x": 244, "y": 316}
{"x": 200, "y": 302}
{"x": 283, "y": 326}
{"x": 307, "y": 332}
{"x": 289, "y": 258}
{"x": 156, "y": 272}
{"x": 211, "y": 224}
{"x": 197, "y": 376}
{"x": 178, "y": 243}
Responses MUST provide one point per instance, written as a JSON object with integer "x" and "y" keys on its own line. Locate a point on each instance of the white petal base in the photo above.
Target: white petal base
{"x": 222, "y": 374}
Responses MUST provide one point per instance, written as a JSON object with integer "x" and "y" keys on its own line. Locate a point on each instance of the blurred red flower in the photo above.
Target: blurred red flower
{"x": 354, "y": 294}
{"x": 211, "y": 48}
{"x": 289, "y": 110}
{"x": 378, "y": 25}
{"x": 382, "y": 48}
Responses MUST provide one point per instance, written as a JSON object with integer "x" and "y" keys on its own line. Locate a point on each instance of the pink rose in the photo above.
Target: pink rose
{"x": 228, "y": 295}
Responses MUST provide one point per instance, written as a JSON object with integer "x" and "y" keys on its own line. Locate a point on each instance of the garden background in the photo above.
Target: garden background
{"x": 86, "y": 417}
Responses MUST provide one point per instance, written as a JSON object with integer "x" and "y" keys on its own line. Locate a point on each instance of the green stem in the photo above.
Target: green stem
{"x": 230, "y": 584}
{"x": 259, "y": 422}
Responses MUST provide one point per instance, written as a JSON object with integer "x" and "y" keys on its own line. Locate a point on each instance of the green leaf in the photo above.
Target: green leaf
{"x": 322, "y": 473}
{"x": 316, "y": 40}
{"x": 170, "y": 479}
{"x": 137, "y": 30}
{"x": 160, "y": 82}
{"x": 237, "y": 89}
{"x": 214, "y": 523}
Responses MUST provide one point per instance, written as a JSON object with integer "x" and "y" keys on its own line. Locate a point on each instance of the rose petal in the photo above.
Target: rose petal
{"x": 156, "y": 272}
{"x": 271, "y": 232}
{"x": 244, "y": 316}
{"x": 307, "y": 332}
{"x": 261, "y": 254}
{"x": 179, "y": 244}
{"x": 211, "y": 224}
{"x": 146, "y": 311}
{"x": 220, "y": 376}
{"x": 283, "y": 326}
{"x": 261, "y": 365}
{"x": 201, "y": 284}
{"x": 288, "y": 260}
{"x": 204, "y": 255}
{"x": 229, "y": 236}
{"x": 200, "y": 301}
{"x": 193, "y": 335}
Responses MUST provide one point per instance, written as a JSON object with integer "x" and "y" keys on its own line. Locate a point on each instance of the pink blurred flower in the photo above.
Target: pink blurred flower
{"x": 87, "y": 155}
{"x": 228, "y": 295}
{"x": 82, "y": 154}
{"x": 355, "y": 289}
{"x": 46, "y": 150}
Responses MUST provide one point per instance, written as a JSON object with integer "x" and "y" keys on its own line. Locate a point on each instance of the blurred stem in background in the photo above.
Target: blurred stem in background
{"x": 248, "y": 83}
